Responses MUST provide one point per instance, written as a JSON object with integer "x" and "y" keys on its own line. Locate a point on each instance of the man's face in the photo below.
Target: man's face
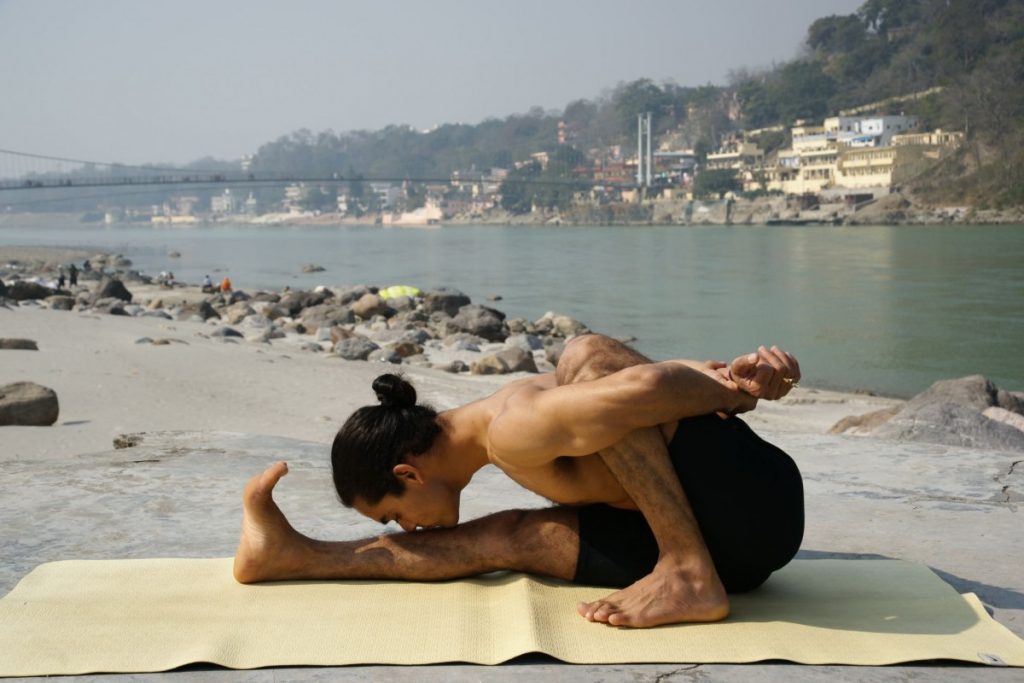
{"x": 422, "y": 506}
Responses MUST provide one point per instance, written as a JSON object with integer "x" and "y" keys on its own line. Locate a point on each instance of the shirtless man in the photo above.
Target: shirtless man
{"x": 661, "y": 490}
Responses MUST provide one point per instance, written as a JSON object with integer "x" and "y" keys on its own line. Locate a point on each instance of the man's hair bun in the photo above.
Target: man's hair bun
{"x": 393, "y": 391}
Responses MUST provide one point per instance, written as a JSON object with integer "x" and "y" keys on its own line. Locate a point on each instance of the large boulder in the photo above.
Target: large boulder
{"x": 482, "y": 321}
{"x": 355, "y": 348}
{"x": 969, "y": 411}
{"x": 18, "y": 344}
{"x": 29, "y": 404}
{"x": 111, "y": 288}
{"x": 974, "y": 391}
{"x": 3, "y": 289}
{"x": 369, "y": 305}
{"x": 444, "y": 299}
{"x": 22, "y": 290}
{"x": 952, "y": 425}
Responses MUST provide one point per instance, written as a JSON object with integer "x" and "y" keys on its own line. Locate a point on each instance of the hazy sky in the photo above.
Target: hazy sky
{"x": 138, "y": 81}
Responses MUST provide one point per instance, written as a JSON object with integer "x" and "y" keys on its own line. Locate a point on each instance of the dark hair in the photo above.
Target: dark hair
{"x": 376, "y": 438}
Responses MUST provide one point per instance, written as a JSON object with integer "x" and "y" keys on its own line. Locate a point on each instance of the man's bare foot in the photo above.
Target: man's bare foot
{"x": 670, "y": 594}
{"x": 269, "y": 549}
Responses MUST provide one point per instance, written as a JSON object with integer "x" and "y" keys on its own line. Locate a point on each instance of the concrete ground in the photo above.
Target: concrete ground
{"x": 177, "y": 494}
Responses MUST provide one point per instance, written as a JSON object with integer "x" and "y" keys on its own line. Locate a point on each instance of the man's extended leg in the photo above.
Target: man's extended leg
{"x": 683, "y": 585}
{"x": 535, "y": 541}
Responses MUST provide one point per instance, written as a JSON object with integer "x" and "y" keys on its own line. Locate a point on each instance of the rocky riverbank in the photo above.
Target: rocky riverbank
{"x": 439, "y": 328}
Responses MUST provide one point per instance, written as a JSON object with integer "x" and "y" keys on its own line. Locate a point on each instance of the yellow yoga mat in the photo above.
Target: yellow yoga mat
{"x": 86, "y": 616}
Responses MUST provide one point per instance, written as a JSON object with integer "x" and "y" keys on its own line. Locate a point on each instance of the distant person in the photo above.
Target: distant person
{"x": 87, "y": 266}
{"x": 60, "y": 279}
{"x": 207, "y": 285}
{"x": 225, "y": 285}
{"x": 73, "y": 275}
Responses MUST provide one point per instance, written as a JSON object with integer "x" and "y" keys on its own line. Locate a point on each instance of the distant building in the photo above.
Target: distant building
{"x": 224, "y": 203}
{"x": 387, "y": 194}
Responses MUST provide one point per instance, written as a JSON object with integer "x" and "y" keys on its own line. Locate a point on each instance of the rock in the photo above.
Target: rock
{"x": 494, "y": 297}
{"x": 312, "y": 268}
{"x": 350, "y": 295}
{"x": 225, "y": 331}
{"x": 339, "y": 333}
{"x": 406, "y": 349}
{"x": 22, "y": 290}
{"x": 482, "y": 321}
{"x": 10, "y": 343}
{"x": 174, "y": 254}
{"x": 118, "y": 261}
{"x": 1010, "y": 400}
{"x": 402, "y": 303}
{"x": 3, "y": 289}
{"x": 519, "y": 326}
{"x": 295, "y": 302}
{"x": 144, "y": 340}
{"x": 974, "y": 391}
{"x": 204, "y": 309}
{"x": 952, "y": 425}
{"x": 29, "y": 404}
{"x": 463, "y": 341}
{"x": 1005, "y": 416}
{"x": 157, "y": 314}
{"x": 238, "y": 312}
{"x": 527, "y": 342}
{"x": 355, "y": 348}
{"x": 122, "y": 441}
{"x": 110, "y": 287}
{"x": 444, "y": 299}
{"x": 133, "y": 310}
{"x": 60, "y": 302}
{"x": 488, "y": 365}
{"x": 384, "y": 356}
{"x": 863, "y": 424}
{"x": 311, "y": 346}
{"x": 415, "y": 336}
{"x": 270, "y": 297}
{"x": 553, "y": 349}
{"x": 454, "y": 366}
{"x": 116, "y": 309}
{"x": 560, "y": 325}
{"x": 369, "y": 305}
{"x": 517, "y": 359}
{"x": 327, "y": 315}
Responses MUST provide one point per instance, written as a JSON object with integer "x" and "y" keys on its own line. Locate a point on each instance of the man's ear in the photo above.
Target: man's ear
{"x": 407, "y": 473}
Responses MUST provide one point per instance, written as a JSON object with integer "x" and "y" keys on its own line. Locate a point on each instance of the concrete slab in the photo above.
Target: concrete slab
{"x": 177, "y": 494}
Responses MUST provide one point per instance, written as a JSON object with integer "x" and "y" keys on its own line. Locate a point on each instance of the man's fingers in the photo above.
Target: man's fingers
{"x": 796, "y": 365}
{"x": 773, "y": 380}
{"x": 789, "y": 367}
{"x": 745, "y": 366}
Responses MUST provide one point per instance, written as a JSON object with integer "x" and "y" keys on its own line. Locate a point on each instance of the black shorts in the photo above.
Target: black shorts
{"x": 746, "y": 494}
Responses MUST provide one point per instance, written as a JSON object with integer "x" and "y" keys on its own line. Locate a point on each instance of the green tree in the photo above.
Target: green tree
{"x": 518, "y": 189}
{"x": 716, "y": 182}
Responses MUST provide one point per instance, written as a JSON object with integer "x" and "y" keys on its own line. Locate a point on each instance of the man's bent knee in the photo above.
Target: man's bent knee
{"x": 592, "y": 356}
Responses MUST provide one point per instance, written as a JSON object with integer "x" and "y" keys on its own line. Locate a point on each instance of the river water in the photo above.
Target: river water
{"x": 885, "y": 308}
